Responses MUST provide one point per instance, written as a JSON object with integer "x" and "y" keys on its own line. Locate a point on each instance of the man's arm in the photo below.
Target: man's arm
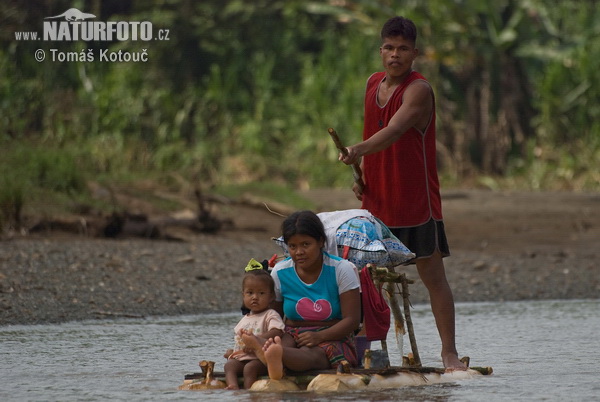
{"x": 414, "y": 112}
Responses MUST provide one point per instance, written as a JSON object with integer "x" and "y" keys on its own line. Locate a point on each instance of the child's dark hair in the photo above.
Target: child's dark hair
{"x": 304, "y": 223}
{"x": 261, "y": 275}
{"x": 399, "y": 26}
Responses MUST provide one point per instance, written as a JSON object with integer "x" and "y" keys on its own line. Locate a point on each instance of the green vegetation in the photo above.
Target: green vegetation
{"x": 30, "y": 172}
{"x": 243, "y": 93}
{"x": 267, "y": 191}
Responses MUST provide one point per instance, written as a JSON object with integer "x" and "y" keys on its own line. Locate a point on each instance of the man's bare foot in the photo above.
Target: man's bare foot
{"x": 274, "y": 355}
{"x": 252, "y": 342}
{"x": 453, "y": 363}
{"x": 232, "y": 387}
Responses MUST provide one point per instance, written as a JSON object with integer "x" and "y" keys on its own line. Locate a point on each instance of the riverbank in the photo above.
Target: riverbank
{"x": 505, "y": 246}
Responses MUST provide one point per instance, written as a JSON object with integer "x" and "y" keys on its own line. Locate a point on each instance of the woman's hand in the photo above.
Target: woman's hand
{"x": 309, "y": 339}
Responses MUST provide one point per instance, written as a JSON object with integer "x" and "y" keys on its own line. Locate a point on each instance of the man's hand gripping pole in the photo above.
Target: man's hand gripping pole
{"x": 356, "y": 171}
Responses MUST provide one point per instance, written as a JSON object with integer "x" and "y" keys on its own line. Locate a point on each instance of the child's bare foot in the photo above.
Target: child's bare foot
{"x": 274, "y": 356}
{"x": 453, "y": 363}
{"x": 253, "y": 343}
{"x": 267, "y": 343}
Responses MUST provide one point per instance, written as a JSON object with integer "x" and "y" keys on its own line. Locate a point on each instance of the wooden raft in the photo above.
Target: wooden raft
{"x": 345, "y": 378}
{"x": 330, "y": 380}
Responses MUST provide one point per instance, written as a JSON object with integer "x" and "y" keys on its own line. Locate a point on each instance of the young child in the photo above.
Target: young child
{"x": 258, "y": 292}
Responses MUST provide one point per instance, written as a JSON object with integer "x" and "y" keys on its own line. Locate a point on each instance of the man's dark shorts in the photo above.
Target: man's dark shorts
{"x": 423, "y": 240}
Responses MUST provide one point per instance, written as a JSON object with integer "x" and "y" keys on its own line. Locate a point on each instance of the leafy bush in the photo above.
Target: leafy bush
{"x": 29, "y": 172}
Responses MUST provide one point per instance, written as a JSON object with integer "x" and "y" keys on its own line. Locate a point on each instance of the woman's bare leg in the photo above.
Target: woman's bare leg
{"x": 297, "y": 359}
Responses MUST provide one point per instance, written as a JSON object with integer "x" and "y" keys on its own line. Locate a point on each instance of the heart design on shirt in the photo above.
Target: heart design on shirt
{"x": 309, "y": 310}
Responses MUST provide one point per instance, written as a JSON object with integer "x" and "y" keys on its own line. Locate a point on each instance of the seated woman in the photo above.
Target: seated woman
{"x": 319, "y": 296}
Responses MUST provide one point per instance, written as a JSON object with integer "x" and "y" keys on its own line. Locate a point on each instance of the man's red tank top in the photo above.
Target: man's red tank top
{"x": 401, "y": 182}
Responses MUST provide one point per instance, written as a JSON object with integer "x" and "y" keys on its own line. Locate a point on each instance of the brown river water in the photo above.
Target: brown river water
{"x": 539, "y": 350}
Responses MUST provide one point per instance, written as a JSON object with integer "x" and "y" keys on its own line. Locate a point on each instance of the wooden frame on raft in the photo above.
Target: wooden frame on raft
{"x": 345, "y": 378}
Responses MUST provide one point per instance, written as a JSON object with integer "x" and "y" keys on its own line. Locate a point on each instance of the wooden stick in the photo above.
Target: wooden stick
{"x": 208, "y": 368}
{"x": 409, "y": 323}
{"x": 397, "y": 314}
{"x": 356, "y": 170}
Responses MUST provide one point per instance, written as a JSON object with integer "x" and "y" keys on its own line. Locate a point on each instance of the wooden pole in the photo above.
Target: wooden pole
{"x": 356, "y": 170}
{"x": 409, "y": 323}
{"x": 398, "y": 319}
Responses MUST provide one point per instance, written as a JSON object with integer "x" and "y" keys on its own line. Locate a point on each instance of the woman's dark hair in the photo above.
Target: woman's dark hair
{"x": 399, "y": 26}
{"x": 304, "y": 223}
{"x": 261, "y": 275}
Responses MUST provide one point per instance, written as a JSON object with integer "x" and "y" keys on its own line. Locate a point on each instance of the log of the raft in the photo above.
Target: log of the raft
{"x": 268, "y": 385}
{"x": 402, "y": 379}
{"x": 337, "y": 382}
{"x": 307, "y": 376}
{"x": 329, "y": 380}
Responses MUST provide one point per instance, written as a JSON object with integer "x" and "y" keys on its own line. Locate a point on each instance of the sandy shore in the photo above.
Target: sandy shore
{"x": 505, "y": 246}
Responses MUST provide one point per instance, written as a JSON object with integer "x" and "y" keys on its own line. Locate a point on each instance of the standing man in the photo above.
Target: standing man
{"x": 399, "y": 169}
